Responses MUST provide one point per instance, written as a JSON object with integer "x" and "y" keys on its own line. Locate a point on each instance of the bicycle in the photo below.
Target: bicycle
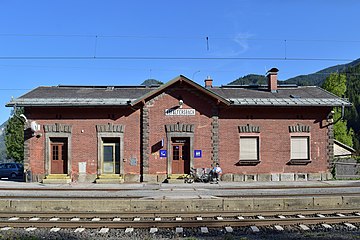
{"x": 198, "y": 175}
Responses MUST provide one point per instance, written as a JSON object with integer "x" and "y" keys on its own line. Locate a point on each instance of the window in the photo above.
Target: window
{"x": 300, "y": 153}
{"x": 300, "y": 148}
{"x": 249, "y": 150}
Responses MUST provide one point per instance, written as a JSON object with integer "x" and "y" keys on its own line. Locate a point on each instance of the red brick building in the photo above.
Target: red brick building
{"x": 142, "y": 133}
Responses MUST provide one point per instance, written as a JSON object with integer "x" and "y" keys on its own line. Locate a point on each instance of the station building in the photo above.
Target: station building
{"x": 120, "y": 134}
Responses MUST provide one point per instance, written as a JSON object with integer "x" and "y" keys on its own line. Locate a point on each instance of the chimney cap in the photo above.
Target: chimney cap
{"x": 273, "y": 70}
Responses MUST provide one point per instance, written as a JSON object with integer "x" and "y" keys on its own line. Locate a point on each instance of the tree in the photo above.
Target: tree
{"x": 14, "y": 136}
{"x": 336, "y": 84}
{"x": 341, "y": 131}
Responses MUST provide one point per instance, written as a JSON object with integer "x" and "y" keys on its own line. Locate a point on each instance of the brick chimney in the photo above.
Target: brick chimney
{"x": 208, "y": 82}
{"x": 272, "y": 79}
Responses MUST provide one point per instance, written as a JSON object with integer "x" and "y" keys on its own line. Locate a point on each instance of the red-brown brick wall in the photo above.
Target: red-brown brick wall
{"x": 202, "y": 123}
{"x": 274, "y": 138}
{"x": 84, "y": 143}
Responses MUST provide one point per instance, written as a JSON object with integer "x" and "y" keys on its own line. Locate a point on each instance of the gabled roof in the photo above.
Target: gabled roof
{"x": 181, "y": 78}
{"x": 341, "y": 149}
{"x": 291, "y": 96}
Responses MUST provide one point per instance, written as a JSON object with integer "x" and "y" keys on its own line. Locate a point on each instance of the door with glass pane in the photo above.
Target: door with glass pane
{"x": 180, "y": 156}
{"x": 58, "y": 156}
{"x": 111, "y": 158}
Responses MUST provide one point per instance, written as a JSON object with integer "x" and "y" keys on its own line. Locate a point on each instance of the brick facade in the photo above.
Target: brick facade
{"x": 203, "y": 123}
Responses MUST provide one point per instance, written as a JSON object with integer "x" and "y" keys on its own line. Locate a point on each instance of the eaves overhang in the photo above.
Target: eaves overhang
{"x": 293, "y": 102}
{"x": 67, "y": 102}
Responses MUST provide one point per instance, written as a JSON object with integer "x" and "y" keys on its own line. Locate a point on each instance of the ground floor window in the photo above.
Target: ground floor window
{"x": 300, "y": 148}
{"x": 249, "y": 150}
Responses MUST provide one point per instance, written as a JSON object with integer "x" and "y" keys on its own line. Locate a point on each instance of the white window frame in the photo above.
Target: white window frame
{"x": 249, "y": 161}
{"x": 300, "y": 158}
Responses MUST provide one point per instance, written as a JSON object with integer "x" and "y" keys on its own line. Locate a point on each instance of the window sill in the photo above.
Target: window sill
{"x": 248, "y": 162}
{"x": 299, "y": 161}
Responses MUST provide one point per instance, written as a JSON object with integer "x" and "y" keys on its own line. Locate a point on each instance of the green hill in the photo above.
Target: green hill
{"x": 251, "y": 79}
{"x": 313, "y": 79}
{"x": 150, "y": 82}
{"x": 317, "y": 78}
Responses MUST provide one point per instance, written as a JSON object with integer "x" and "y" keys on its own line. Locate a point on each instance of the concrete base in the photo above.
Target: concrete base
{"x": 193, "y": 204}
{"x": 227, "y": 177}
{"x": 150, "y": 178}
{"x": 132, "y": 178}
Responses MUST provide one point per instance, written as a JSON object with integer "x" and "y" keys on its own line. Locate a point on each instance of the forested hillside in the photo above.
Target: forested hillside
{"x": 313, "y": 79}
{"x": 352, "y": 115}
{"x": 317, "y": 78}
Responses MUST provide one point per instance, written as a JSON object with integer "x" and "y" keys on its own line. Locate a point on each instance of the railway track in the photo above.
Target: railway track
{"x": 199, "y": 197}
{"x": 226, "y": 220}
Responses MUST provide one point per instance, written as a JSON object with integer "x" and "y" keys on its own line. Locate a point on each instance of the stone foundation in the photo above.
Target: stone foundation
{"x": 274, "y": 177}
{"x": 227, "y": 177}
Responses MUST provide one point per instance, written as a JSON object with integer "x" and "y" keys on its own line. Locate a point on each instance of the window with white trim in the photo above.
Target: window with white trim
{"x": 249, "y": 150}
{"x": 300, "y": 148}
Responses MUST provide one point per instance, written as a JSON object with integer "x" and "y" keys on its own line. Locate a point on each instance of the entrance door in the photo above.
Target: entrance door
{"x": 58, "y": 156}
{"x": 111, "y": 158}
{"x": 180, "y": 156}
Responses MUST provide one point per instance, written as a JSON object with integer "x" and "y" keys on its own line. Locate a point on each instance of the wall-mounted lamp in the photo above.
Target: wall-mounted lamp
{"x": 330, "y": 116}
{"x": 181, "y": 102}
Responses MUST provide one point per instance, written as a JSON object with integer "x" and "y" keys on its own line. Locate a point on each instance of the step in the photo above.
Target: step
{"x": 109, "y": 176}
{"x": 176, "y": 176}
{"x": 109, "y": 180}
{"x": 56, "y": 180}
{"x": 57, "y": 176}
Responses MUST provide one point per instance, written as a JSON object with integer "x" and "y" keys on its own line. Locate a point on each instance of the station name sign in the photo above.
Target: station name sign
{"x": 180, "y": 112}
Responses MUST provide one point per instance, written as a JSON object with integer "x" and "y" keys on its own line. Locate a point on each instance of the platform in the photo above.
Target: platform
{"x": 145, "y": 197}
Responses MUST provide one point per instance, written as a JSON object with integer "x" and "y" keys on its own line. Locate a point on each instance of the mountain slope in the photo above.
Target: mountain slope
{"x": 313, "y": 79}
{"x": 317, "y": 78}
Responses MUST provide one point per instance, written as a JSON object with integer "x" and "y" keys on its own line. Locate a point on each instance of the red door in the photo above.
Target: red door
{"x": 180, "y": 158}
{"x": 58, "y": 158}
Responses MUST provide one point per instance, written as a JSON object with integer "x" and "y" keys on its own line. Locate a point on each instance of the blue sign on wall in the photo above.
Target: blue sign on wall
{"x": 163, "y": 153}
{"x": 197, "y": 153}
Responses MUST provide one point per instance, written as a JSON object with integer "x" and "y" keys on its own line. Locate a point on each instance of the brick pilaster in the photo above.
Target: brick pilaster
{"x": 215, "y": 136}
{"x": 330, "y": 146}
{"x": 145, "y": 140}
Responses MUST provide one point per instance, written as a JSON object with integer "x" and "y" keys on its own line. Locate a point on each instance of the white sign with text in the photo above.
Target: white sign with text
{"x": 180, "y": 112}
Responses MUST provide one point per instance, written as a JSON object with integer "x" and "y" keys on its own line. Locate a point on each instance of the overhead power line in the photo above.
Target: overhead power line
{"x": 166, "y": 58}
{"x": 174, "y": 37}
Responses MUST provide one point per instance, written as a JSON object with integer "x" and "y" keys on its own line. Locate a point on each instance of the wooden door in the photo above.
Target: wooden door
{"x": 180, "y": 158}
{"x": 58, "y": 158}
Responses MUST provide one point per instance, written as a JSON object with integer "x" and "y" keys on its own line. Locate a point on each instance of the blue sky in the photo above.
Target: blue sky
{"x": 244, "y": 36}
